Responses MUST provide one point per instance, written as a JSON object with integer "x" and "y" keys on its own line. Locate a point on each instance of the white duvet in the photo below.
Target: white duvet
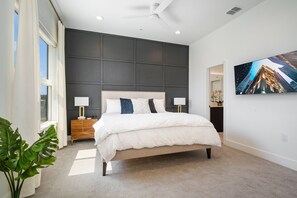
{"x": 125, "y": 131}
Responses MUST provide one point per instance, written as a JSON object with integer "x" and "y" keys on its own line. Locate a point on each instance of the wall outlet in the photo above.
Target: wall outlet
{"x": 285, "y": 137}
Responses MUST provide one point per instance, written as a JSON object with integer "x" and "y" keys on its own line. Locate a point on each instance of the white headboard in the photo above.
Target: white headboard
{"x": 128, "y": 94}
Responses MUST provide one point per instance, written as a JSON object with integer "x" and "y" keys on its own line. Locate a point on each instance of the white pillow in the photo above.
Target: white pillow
{"x": 159, "y": 105}
{"x": 140, "y": 105}
{"x": 113, "y": 106}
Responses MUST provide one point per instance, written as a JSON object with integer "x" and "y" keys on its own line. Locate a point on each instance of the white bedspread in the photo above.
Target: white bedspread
{"x": 125, "y": 131}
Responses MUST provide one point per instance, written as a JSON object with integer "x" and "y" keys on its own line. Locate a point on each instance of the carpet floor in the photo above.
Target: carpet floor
{"x": 230, "y": 173}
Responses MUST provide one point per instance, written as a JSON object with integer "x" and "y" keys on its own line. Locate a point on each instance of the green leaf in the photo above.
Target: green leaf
{"x": 17, "y": 156}
{"x": 41, "y": 152}
{"x": 3, "y": 168}
{"x": 9, "y": 146}
{"x": 29, "y": 172}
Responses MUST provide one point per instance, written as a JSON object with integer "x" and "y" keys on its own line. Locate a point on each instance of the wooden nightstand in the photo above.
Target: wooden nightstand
{"x": 82, "y": 129}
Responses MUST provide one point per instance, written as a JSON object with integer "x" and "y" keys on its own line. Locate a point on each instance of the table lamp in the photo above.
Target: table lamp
{"x": 81, "y": 102}
{"x": 179, "y": 102}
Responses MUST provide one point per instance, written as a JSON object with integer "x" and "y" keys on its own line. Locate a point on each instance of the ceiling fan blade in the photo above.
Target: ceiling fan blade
{"x": 163, "y": 5}
{"x": 135, "y": 16}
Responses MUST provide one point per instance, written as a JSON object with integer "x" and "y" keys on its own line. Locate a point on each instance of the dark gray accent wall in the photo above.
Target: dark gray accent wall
{"x": 96, "y": 62}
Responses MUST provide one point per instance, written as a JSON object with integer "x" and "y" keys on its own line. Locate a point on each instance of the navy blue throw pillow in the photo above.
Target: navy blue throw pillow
{"x": 126, "y": 106}
{"x": 152, "y": 106}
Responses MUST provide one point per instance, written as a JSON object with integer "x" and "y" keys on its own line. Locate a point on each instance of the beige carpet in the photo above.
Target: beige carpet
{"x": 230, "y": 173}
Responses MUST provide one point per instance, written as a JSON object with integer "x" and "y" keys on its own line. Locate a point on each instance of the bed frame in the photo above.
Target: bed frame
{"x": 145, "y": 152}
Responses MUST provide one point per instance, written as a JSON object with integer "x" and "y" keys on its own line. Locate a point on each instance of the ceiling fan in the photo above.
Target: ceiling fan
{"x": 155, "y": 10}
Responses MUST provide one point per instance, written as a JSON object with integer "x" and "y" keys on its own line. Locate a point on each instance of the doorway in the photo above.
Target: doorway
{"x": 216, "y": 96}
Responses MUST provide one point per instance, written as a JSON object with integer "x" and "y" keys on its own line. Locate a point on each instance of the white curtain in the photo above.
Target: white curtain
{"x": 6, "y": 66}
{"x": 26, "y": 96}
{"x": 61, "y": 86}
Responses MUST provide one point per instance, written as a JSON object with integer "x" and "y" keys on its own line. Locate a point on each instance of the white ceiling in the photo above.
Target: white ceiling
{"x": 194, "y": 18}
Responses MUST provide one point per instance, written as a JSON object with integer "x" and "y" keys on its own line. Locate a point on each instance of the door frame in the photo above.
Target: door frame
{"x": 223, "y": 64}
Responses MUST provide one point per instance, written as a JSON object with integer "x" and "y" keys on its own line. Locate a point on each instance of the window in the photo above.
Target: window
{"x": 45, "y": 86}
{"x": 46, "y": 53}
{"x": 16, "y": 27}
{"x": 43, "y": 59}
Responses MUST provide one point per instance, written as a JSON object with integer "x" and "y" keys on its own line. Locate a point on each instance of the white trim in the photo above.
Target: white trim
{"x": 223, "y": 64}
{"x": 48, "y": 82}
{"x": 50, "y": 101}
{"x": 45, "y": 35}
{"x": 278, "y": 159}
{"x": 45, "y": 82}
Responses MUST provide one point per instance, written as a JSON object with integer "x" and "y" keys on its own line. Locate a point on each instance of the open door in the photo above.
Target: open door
{"x": 216, "y": 97}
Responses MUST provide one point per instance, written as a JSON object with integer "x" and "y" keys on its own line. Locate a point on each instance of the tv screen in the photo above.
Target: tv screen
{"x": 276, "y": 74}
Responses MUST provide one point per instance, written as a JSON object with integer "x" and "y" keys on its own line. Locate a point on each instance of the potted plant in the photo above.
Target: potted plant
{"x": 18, "y": 160}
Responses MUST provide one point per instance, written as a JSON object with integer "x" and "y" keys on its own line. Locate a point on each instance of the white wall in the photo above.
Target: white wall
{"x": 253, "y": 123}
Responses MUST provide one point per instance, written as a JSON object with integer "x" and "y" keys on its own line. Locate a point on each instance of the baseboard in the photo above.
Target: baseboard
{"x": 283, "y": 161}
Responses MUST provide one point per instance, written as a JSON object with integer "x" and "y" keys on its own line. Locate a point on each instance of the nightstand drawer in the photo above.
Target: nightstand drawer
{"x": 89, "y": 123}
{"x": 76, "y": 124}
{"x": 82, "y": 129}
{"x": 76, "y": 130}
{"x": 89, "y": 129}
{"x": 82, "y": 135}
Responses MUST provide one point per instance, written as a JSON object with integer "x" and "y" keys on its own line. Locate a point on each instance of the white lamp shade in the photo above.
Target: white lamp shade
{"x": 179, "y": 101}
{"x": 81, "y": 101}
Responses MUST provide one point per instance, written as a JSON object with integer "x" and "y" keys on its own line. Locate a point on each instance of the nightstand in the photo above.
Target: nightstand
{"x": 82, "y": 129}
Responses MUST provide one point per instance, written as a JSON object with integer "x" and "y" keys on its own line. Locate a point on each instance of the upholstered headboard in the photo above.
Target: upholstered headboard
{"x": 128, "y": 94}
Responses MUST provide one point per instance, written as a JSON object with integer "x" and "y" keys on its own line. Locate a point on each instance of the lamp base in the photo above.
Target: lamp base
{"x": 81, "y": 113}
{"x": 179, "y": 108}
{"x": 81, "y": 118}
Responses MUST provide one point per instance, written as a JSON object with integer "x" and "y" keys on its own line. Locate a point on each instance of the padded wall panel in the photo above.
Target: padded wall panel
{"x": 117, "y": 47}
{"x": 149, "y": 88}
{"x": 173, "y": 92}
{"x": 84, "y": 90}
{"x": 177, "y": 76}
{"x": 118, "y": 73}
{"x": 96, "y": 62}
{"x": 149, "y": 74}
{"x": 83, "y": 44}
{"x": 149, "y": 52}
{"x": 118, "y": 87}
{"x": 83, "y": 70}
{"x": 177, "y": 55}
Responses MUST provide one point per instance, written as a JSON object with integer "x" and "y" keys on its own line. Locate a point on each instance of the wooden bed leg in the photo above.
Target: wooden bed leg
{"x": 208, "y": 151}
{"x": 104, "y": 169}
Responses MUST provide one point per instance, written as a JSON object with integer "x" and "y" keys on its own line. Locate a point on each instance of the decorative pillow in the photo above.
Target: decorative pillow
{"x": 152, "y": 106}
{"x": 113, "y": 106}
{"x": 140, "y": 105}
{"x": 159, "y": 105}
{"x": 126, "y": 106}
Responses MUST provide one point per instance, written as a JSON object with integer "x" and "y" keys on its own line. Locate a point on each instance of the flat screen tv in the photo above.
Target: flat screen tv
{"x": 276, "y": 74}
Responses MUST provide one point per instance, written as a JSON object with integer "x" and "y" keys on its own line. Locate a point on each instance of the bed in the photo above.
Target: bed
{"x": 129, "y": 136}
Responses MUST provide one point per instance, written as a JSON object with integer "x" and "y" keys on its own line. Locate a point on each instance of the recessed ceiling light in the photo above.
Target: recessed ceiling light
{"x": 177, "y": 32}
{"x": 99, "y": 18}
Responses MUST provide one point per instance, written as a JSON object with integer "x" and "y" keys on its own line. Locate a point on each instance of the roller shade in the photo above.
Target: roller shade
{"x": 48, "y": 21}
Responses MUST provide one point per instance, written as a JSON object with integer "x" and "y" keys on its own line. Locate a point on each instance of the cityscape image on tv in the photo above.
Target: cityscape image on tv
{"x": 277, "y": 74}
